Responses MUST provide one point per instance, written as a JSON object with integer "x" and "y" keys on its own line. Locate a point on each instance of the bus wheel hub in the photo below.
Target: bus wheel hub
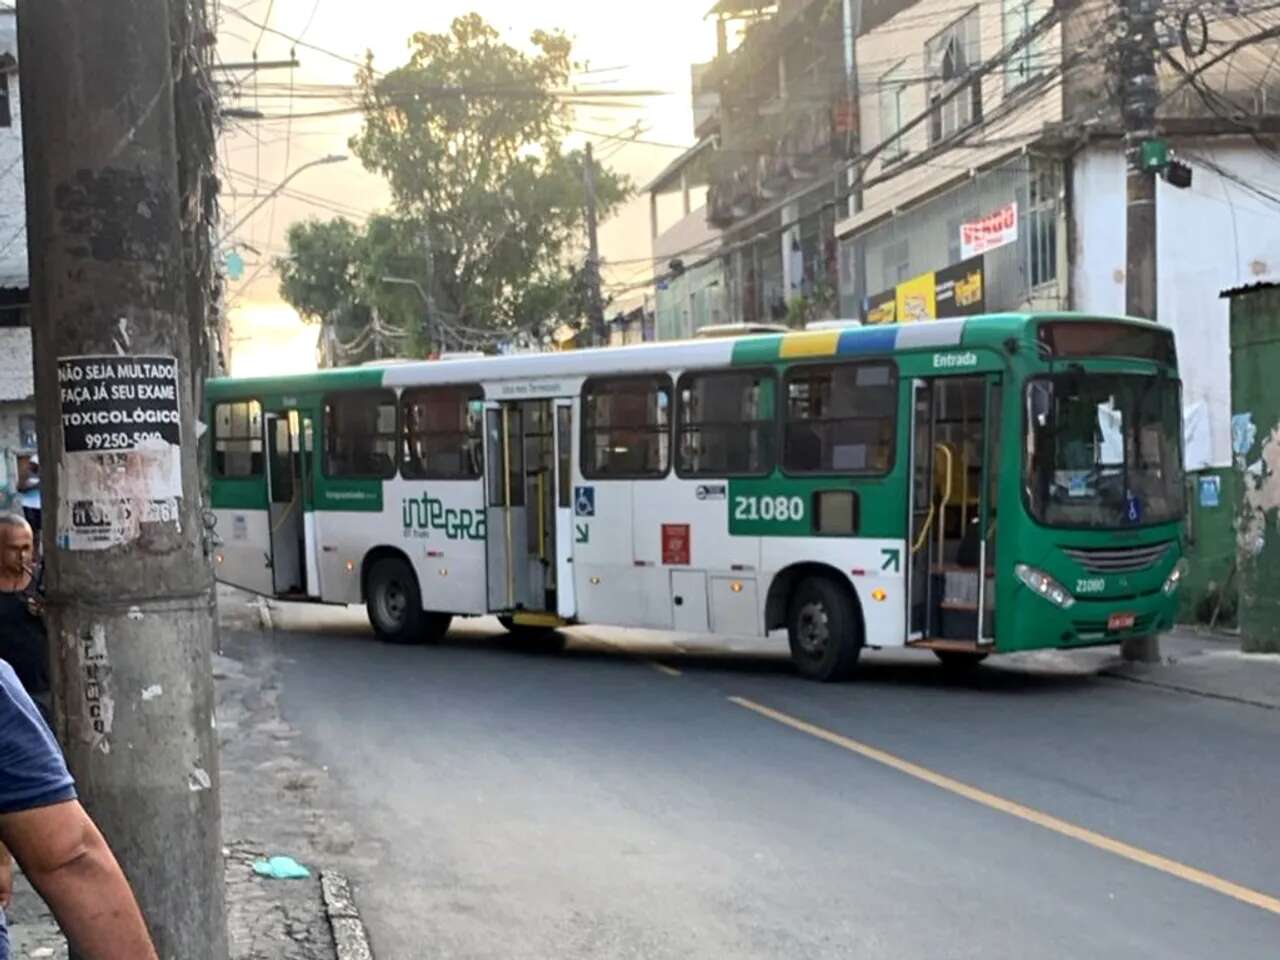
{"x": 393, "y": 603}
{"x": 814, "y": 630}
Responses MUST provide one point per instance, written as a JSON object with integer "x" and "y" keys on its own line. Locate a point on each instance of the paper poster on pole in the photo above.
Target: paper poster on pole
{"x": 121, "y": 459}
{"x": 996, "y": 230}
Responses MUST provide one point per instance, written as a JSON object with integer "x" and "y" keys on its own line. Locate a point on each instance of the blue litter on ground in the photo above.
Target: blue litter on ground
{"x": 281, "y": 868}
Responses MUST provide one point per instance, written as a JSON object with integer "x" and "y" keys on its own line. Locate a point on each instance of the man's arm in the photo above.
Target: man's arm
{"x": 6, "y": 878}
{"x": 67, "y": 860}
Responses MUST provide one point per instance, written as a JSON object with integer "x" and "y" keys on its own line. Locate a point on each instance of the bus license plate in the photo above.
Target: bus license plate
{"x": 1121, "y": 621}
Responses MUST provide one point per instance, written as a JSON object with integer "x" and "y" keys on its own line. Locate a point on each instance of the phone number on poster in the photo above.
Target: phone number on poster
{"x": 120, "y": 441}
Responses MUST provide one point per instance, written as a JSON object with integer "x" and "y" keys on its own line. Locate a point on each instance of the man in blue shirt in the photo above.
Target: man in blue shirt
{"x": 60, "y": 849}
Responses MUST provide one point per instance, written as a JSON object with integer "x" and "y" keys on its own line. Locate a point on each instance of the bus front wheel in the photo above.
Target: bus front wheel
{"x": 394, "y": 603}
{"x": 824, "y": 629}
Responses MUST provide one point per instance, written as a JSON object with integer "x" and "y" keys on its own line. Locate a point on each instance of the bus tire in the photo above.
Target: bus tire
{"x": 434, "y": 627}
{"x": 535, "y": 639}
{"x": 959, "y": 661}
{"x": 394, "y": 602}
{"x": 825, "y": 630}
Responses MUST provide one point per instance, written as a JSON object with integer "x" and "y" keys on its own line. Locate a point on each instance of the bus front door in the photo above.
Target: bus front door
{"x": 954, "y": 465}
{"x": 522, "y": 515}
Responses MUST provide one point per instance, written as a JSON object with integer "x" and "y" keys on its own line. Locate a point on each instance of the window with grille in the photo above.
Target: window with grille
{"x": 896, "y": 263}
{"x": 1042, "y": 226}
{"x": 893, "y": 92}
{"x": 1030, "y": 60}
{"x": 955, "y": 94}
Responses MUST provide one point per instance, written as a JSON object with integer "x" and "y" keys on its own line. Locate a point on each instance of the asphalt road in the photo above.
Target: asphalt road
{"x": 592, "y": 804}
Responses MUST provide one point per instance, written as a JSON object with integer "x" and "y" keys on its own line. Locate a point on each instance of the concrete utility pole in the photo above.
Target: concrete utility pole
{"x": 595, "y": 306}
{"x": 852, "y": 13}
{"x": 429, "y": 294}
{"x": 1139, "y": 98}
{"x": 130, "y": 602}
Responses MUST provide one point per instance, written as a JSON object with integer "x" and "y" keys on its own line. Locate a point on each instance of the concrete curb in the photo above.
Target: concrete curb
{"x": 349, "y": 934}
{"x": 1183, "y": 688}
{"x": 264, "y": 615}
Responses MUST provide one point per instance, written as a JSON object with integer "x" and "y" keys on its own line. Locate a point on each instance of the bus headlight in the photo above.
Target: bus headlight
{"x": 1041, "y": 583}
{"x": 1175, "y": 579}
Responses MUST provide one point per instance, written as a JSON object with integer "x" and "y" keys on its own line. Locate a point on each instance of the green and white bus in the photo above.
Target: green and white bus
{"x": 975, "y": 486}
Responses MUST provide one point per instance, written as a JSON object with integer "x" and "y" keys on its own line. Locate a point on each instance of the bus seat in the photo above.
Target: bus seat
{"x": 803, "y": 447}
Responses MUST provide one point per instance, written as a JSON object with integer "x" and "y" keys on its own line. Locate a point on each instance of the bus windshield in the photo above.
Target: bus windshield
{"x": 1104, "y": 451}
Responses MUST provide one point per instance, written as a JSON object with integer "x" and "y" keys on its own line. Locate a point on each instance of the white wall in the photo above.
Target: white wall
{"x": 13, "y": 204}
{"x": 1215, "y": 236}
{"x": 689, "y": 238}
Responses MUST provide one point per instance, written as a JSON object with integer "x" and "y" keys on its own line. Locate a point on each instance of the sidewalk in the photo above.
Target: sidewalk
{"x": 1193, "y": 661}
{"x": 273, "y": 804}
{"x": 1208, "y": 665}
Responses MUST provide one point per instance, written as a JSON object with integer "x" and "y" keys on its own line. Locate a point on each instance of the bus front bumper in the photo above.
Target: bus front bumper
{"x": 1034, "y": 623}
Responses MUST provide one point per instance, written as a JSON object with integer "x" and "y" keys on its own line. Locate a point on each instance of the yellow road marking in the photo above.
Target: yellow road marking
{"x": 1153, "y": 860}
{"x": 663, "y": 668}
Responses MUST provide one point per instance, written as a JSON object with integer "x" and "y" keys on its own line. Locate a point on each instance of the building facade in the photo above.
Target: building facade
{"x": 17, "y": 388}
{"x": 691, "y": 293}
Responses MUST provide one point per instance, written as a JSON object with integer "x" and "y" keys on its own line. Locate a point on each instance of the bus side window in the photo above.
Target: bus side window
{"x": 840, "y": 418}
{"x": 725, "y": 424}
{"x": 360, "y": 435}
{"x": 442, "y": 432}
{"x": 626, "y": 428}
{"x": 237, "y": 440}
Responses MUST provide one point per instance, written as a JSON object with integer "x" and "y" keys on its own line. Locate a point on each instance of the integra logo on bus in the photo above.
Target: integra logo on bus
{"x": 423, "y": 514}
{"x": 953, "y": 361}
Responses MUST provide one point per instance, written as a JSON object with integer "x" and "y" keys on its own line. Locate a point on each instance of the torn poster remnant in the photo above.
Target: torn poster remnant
{"x": 122, "y": 448}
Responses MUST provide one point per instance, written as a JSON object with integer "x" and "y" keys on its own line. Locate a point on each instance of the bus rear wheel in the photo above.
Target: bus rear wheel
{"x": 824, "y": 629}
{"x": 394, "y": 604}
{"x": 536, "y": 639}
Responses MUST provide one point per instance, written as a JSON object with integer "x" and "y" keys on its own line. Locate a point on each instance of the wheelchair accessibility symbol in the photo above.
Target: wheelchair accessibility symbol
{"x": 584, "y": 501}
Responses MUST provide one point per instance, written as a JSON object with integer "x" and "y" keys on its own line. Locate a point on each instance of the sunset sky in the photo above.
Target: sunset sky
{"x": 255, "y": 156}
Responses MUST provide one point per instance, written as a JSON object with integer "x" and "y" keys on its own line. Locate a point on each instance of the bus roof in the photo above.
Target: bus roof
{"x": 991, "y": 330}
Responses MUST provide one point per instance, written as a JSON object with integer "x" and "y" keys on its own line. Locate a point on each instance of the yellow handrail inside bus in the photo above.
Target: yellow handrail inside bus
{"x": 933, "y": 505}
{"x": 945, "y": 502}
{"x": 542, "y": 519}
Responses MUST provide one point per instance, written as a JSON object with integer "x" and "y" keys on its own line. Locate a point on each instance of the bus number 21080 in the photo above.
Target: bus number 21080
{"x": 769, "y": 509}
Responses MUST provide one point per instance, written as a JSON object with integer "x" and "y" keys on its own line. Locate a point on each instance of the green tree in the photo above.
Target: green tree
{"x": 334, "y": 275}
{"x": 318, "y": 278}
{"x": 469, "y": 134}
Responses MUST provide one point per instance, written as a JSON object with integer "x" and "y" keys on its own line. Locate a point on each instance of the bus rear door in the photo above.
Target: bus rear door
{"x": 290, "y": 474}
{"x": 523, "y": 512}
